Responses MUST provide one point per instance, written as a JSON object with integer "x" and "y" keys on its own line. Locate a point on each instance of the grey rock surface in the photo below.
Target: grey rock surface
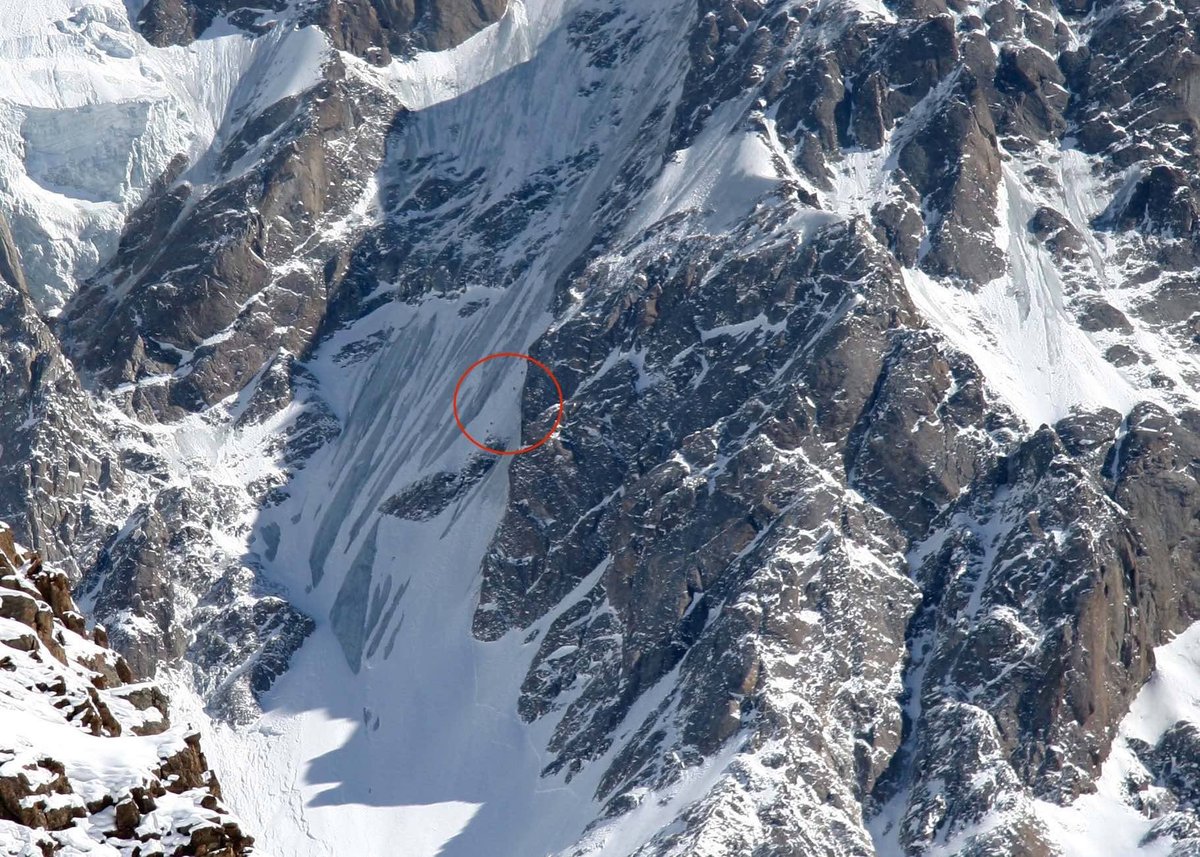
{"x": 373, "y": 29}
{"x": 820, "y": 513}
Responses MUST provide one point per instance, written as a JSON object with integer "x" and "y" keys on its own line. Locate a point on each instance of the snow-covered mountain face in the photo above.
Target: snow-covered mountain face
{"x": 90, "y": 762}
{"x": 871, "y": 526}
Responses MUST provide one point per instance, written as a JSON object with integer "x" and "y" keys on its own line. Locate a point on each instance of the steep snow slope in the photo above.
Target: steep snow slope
{"x": 421, "y": 742}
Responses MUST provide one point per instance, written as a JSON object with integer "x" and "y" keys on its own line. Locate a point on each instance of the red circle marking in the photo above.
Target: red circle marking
{"x": 524, "y": 449}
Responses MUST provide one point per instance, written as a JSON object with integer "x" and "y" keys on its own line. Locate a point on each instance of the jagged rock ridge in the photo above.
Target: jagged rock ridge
{"x": 373, "y": 29}
{"x": 89, "y": 759}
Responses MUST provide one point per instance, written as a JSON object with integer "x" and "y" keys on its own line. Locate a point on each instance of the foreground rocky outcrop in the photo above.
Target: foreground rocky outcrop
{"x": 89, "y": 758}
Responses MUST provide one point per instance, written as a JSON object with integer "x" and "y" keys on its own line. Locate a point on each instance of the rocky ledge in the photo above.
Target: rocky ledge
{"x": 374, "y": 29}
{"x": 89, "y": 760}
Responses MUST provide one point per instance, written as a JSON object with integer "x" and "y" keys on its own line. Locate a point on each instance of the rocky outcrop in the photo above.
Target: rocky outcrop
{"x": 235, "y": 631}
{"x": 181, "y": 22}
{"x": 429, "y": 497}
{"x": 712, "y": 530}
{"x": 1045, "y": 600}
{"x": 373, "y": 29}
{"x": 136, "y": 781}
{"x": 205, "y": 317}
{"x": 53, "y": 452}
{"x": 380, "y": 29}
{"x": 76, "y": 478}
